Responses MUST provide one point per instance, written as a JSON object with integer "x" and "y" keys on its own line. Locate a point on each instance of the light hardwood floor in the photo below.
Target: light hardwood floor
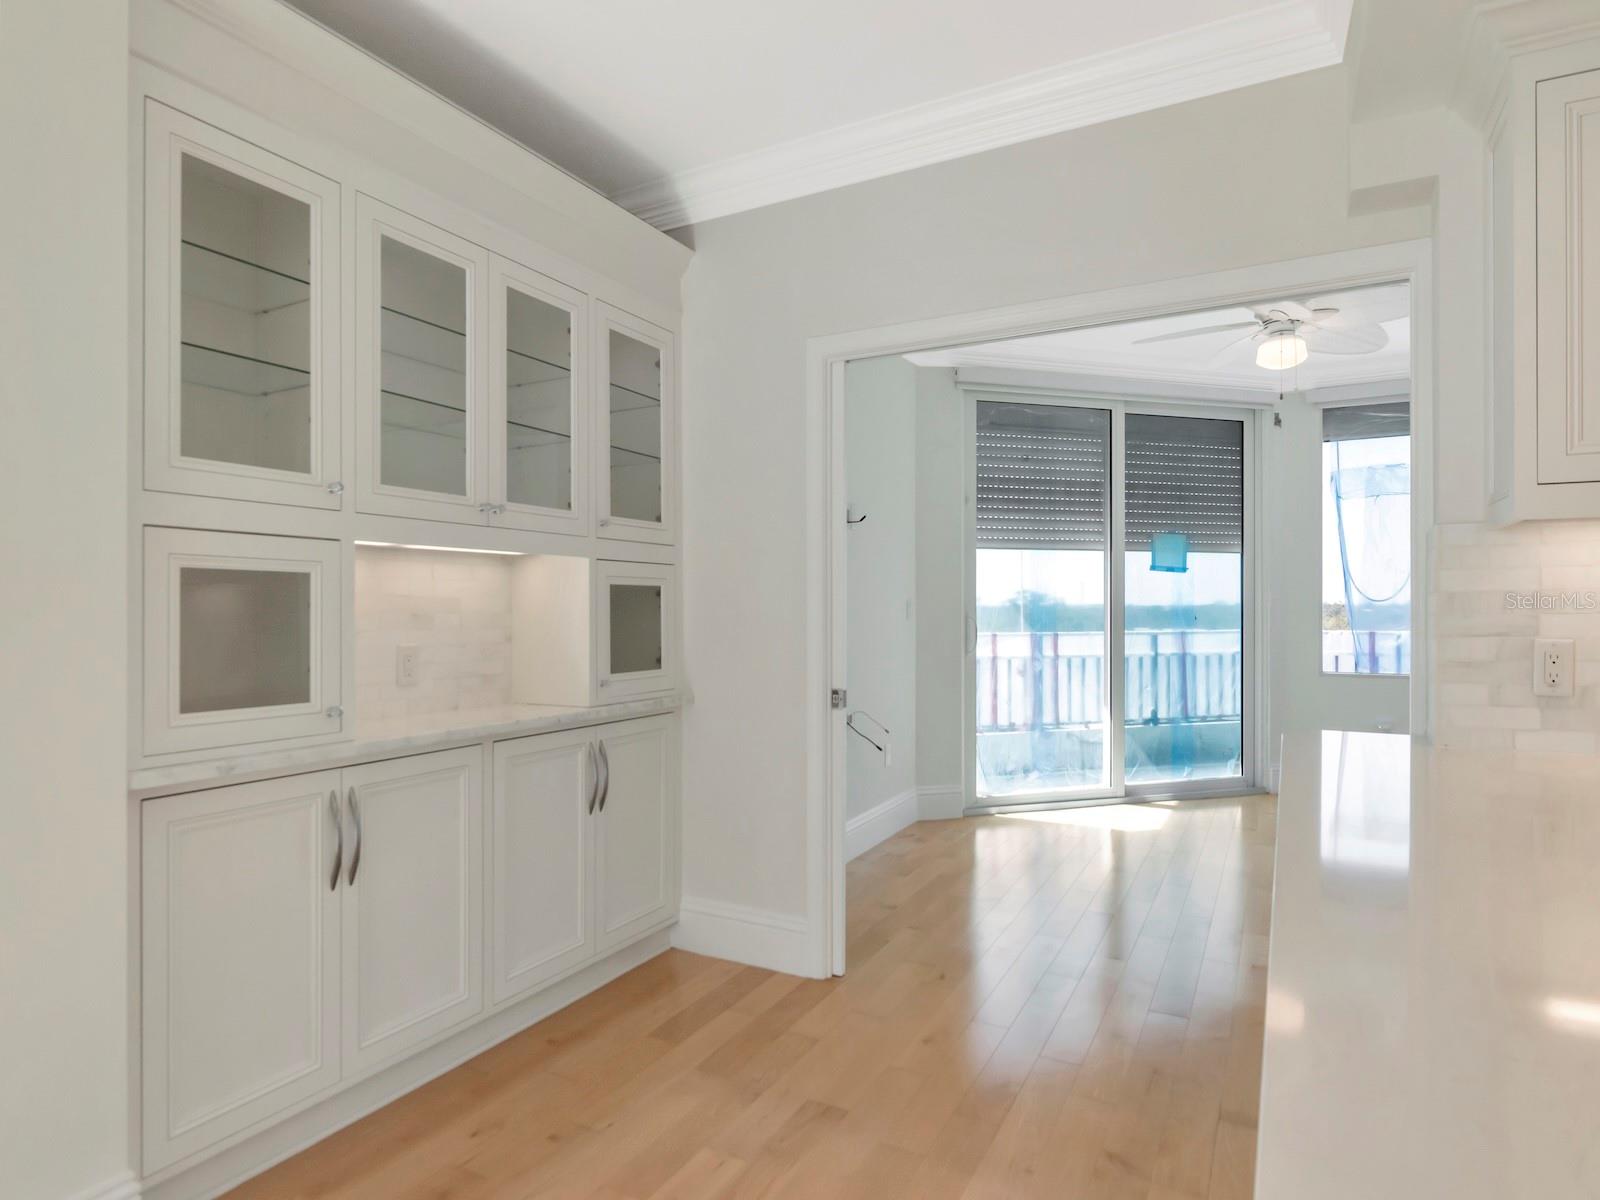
{"x": 1068, "y": 1005}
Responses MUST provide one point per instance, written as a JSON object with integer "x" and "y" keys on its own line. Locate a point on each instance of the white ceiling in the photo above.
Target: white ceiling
{"x": 697, "y": 108}
{"x": 1212, "y": 360}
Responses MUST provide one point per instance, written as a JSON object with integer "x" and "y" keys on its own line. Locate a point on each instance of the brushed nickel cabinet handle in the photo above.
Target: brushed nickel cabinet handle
{"x": 338, "y": 848}
{"x": 355, "y": 853}
{"x": 605, "y": 786}
{"x": 594, "y": 778}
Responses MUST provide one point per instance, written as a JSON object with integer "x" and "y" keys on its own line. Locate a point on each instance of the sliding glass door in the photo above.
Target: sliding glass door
{"x": 1097, "y": 674}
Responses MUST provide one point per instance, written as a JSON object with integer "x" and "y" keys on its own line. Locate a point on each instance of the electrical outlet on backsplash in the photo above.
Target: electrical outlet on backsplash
{"x": 455, "y": 609}
{"x": 1495, "y": 590}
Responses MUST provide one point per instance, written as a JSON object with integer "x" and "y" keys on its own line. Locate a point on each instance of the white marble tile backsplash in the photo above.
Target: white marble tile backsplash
{"x": 1495, "y": 591}
{"x": 454, "y": 608}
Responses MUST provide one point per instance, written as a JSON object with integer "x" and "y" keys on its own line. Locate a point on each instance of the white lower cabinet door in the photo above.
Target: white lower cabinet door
{"x": 542, "y": 923}
{"x": 412, "y": 918}
{"x": 241, "y": 950}
{"x": 636, "y": 851}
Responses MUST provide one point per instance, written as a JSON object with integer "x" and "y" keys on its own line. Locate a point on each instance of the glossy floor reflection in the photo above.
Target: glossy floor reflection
{"x": 1066, "y": 1006}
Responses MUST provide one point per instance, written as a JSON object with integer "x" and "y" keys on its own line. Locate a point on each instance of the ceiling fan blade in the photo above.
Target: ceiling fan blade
{"x": 1293, "y": 309}
{"x": 1201, "y": 332}
{"x": 1364, "y": 338}
{"x": 1365, "y": 305}
{"x": 1227, "y": 351}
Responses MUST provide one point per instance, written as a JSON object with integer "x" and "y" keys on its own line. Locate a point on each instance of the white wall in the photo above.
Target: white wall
{"x": 1166, "y": 194}
{"x": 64, "y": 848}
{"x": 942, "y": 488}
{"x": 881, "y": 580}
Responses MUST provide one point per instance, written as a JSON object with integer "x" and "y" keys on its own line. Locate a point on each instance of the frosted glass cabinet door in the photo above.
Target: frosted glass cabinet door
{"x": 241, "y": 639}
{"x": 637, "y": 423}
{"x": 420, "y": 378}
{"x": 538, "y": 401}
{"x": 637, "y": 627}
{"x": 241, "y": 319}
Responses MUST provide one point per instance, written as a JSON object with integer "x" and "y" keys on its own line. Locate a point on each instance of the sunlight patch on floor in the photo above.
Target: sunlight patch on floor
{"x": 1128, "y": 818}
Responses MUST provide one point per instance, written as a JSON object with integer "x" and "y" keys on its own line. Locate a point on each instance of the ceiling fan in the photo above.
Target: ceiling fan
{"x": 1288, "y": 331}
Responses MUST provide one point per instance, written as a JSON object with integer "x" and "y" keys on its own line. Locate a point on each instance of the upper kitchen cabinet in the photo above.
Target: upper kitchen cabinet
{"x": 421, "y": 378}
{"x": 539, "y": 405}
{"x": 636, "y": 428}
{"x": 241, "y": 275}
{"x": 1544, "y": 193}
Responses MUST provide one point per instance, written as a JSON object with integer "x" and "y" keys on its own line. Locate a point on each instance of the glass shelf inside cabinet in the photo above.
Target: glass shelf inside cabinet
{"x": 223, "y": 278}
{"x": 241, "y": 374}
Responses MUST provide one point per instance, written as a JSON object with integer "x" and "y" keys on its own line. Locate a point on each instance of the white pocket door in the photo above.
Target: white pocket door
{"x": 240, "y": 996}
{"x": 241, "y": 639}
{"x": 412, "y": 902}
{"x": 545, "y": 795}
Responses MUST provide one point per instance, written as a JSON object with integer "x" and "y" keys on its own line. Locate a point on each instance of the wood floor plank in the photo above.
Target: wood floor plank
{"x": 1049, "y": 1006}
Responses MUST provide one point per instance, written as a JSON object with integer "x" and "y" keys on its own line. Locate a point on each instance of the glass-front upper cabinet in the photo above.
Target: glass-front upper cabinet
{"x": 637, "y": 428}
{"x": 241, "y": 639}
{"x": 636, "y": 623}
{"x": 538, "y": 402}
{"x": 241, "y": 319}
{"x": 420, "y": 377}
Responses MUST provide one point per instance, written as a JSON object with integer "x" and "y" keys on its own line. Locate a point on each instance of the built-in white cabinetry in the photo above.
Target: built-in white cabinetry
{"x": 413, "y": 907}
{"x": 241, "y": 346}
{"x": 421, "y": 368}
{"x": 637, "y": 428}
{"x": 1544, "y": 192}
{"x": 636, "y": 853}
{"x": 545, "y": 792}
{"x": 585, "y": 847}
{"x": 241, "y": 640}
{"x": 540, "y": 473}
{"x": 240, "y": 997}
{"x": 592, "y": 631}
{"x": 302, "y": 932}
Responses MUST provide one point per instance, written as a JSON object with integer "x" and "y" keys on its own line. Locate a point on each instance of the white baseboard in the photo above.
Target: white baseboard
{"x": 756, "y": 936}
{"x": 879, "y": 823}
{"x": 120, "y": 1187}
{"x": 945, "y": 802}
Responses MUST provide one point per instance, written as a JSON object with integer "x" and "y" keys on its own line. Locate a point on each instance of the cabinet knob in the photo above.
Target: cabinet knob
{"x": 333, "y": 712}
{"x": 336, "y": 487}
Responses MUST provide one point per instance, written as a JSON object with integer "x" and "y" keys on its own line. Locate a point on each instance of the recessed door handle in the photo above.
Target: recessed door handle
{"x": 338, "y": 848}
{"x": 355, "y": 853}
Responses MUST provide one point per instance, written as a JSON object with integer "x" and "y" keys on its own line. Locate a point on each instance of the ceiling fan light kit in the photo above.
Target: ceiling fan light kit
{"x": 1281, "y": 351}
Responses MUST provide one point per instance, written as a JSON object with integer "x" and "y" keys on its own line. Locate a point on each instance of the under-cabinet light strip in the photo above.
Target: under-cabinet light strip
{"x": 447, "y": 549}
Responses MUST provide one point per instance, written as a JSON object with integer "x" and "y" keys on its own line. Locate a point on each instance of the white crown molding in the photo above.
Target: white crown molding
{"x": 1286, "y": 38}
{"x": 1499, "y": 30}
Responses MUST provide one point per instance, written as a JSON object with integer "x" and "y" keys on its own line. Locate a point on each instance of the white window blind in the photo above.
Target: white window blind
{"x": 1043, "y": 476}
{"x": 1185, "y": 475}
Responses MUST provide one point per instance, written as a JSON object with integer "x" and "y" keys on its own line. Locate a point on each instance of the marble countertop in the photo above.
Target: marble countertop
{"x": 391, "y": 739}
{"x": 1433, "y": 1006}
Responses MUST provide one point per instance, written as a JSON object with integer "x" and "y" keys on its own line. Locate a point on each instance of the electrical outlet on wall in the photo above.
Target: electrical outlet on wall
{"x": 405, "y": 666}
{"x": 1554, "y": 661}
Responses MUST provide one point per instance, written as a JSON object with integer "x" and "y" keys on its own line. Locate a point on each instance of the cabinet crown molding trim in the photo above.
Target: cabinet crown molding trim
{"x": 1285, "y": 39}
{"x": 1499, "y": 30}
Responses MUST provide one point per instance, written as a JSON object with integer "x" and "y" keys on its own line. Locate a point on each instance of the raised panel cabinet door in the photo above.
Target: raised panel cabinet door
{"x": 240, "y": 949}
{"x": 412, "y": 913}
{"x": 636, "y": 849}
{"x": 421, "y": 369}
{"x": 241, "y": 319}
{"x": 541, "y": 834}
{"x": 539, "y": 404}
{"x": 1568, "y": 165}
{"x": 636, "y": 421}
